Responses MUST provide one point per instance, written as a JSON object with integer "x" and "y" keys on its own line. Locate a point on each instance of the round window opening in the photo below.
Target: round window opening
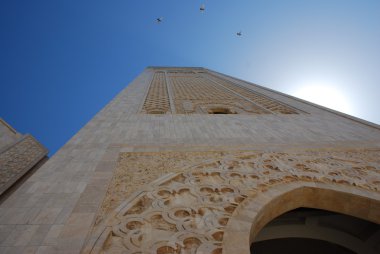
{"x": 221, "y": 111}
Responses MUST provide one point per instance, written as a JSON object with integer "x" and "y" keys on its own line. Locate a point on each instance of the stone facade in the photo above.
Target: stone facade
{"x": 170, "y": 167}
{"x": 8, "y": 135}
{"x": 18, "y": 154}
{"x": 192, "y": 205}
{"x": 200, "y": 92}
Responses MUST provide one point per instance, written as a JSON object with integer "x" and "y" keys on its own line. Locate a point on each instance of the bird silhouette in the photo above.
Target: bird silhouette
{"x": 239, "y": 33}
{"x": 159, "y": 20}
{"x": 202, "y": 8}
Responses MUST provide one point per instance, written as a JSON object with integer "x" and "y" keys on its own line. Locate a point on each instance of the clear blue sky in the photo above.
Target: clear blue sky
{"x": 62, "y": 61}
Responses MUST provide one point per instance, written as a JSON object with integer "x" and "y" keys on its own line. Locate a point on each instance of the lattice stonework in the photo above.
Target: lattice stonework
{"x": 157, "y": 100}
{"x": 196, "y": 94}
{"x": 261, "y": 100}
{"x": 204, "y": 93}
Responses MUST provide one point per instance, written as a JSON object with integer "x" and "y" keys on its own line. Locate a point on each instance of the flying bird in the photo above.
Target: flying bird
{"x": 159, "y": 20}
{"x": 202, "y": 8}
{"x": 238, "y": 33}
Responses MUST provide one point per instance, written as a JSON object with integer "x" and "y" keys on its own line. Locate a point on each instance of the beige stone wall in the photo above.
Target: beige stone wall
{"x": 57, "y": 209}
{"x": 185, "y": 202}
{"x": 18, "y": 154}
{"x": 18, "y": 159}
{"x": 8, "y": 135}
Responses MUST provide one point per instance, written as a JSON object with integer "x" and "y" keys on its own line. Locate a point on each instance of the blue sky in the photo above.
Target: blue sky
{"x": 62, "y": 61}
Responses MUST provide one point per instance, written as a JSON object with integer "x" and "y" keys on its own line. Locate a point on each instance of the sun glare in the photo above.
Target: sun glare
{"x": 326, "y": 96}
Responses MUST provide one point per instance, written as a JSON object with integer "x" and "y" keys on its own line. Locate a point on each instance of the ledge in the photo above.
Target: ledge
{"x": 18, "y": 159}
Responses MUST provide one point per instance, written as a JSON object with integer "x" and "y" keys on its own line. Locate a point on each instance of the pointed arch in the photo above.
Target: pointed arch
{"x": 257, "y": 210}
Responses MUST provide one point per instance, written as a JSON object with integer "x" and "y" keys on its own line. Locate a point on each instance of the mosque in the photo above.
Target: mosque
{"x": 189, "y": 160}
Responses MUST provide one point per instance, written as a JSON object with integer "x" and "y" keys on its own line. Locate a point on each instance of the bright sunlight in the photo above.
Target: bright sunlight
{"x": 325, "y": 95}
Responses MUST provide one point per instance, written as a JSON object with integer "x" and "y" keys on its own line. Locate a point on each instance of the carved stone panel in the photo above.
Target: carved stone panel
{"x": 18, "y": 159}
{"x": 157, "y": 100}
{"x": 199, "y": 92}
{"x": 173, "y": 202}
{"x": 202, "y": 93}
{"x": 259, "y": 99}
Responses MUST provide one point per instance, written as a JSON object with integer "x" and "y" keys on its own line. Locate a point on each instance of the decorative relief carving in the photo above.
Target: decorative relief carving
{"x": 259, "y": 99}
{"x": 143, "y": 168}
{"x": 19, "y": 158}
{"x": 200, "y": 92}
{"x": 157, "y": 100}
{"x": 187, "y": 210}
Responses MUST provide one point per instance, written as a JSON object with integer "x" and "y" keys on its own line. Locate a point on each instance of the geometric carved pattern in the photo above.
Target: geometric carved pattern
{"x": 19, "y": 158}
{"x": 204, "y": 93}
{"x": 261, "y": 100}
{"x": 196, "y": 94}
{"x": 187, "y": 211}
{"x": 157, "y": 100}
